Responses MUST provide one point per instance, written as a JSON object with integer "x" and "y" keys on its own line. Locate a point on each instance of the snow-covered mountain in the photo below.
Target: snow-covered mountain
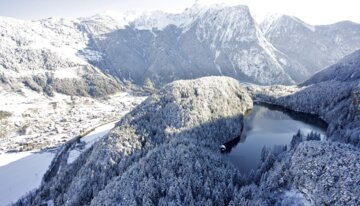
{"x": 218, "y": 39}
{"x": 312, "y": 47}
{"x": 201, "y": 41}
{"x": 96, "y": 53}
{"x": 44, "y": 55}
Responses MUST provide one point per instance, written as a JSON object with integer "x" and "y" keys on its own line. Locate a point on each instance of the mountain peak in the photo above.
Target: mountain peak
{"x": 217, "y": 2}
{"x": 273, "y": 21}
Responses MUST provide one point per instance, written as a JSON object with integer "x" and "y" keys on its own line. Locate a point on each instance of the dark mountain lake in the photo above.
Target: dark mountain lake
{"x": 268, "y": 125}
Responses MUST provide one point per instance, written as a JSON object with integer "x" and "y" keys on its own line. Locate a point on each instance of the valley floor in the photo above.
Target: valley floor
{"x": 37, "y": 122}
{"x": 22, "y": 172}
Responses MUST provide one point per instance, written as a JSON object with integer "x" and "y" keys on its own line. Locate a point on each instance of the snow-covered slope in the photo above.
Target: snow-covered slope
{"x": 44, "y": 55}
{"x": 312, "y": 47}
{"x": 201, "y": 41}
{"x": 346, "y": 70}
{"x": 311, "y": 173}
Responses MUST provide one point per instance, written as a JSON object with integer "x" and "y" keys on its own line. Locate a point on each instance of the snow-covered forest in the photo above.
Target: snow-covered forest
{"x": 165, "y": 152}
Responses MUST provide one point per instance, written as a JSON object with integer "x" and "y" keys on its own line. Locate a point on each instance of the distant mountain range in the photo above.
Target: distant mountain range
{"x": 99, "y": 53}
{"x": 313, "y": 48}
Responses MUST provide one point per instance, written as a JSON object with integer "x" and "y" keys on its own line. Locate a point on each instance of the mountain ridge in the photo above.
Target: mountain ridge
{"x": 217, "y": 40}
{"x": 315, "y": 47}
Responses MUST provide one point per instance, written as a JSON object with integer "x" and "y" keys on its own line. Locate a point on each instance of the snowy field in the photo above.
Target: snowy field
{"x": 22, "y": 175}
{"x": 23, "y": 171}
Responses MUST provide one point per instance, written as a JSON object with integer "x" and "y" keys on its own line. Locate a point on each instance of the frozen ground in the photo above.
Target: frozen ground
{"x": 38, "y": 122}
{"x": 7, "y": 158}
{"x": 23, "y": 175}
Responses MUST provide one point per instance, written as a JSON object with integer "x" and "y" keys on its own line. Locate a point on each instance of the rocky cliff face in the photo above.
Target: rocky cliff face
{"x": 201, "y": 41}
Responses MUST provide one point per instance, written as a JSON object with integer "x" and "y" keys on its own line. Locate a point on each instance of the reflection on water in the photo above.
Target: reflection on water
{"x": 268, "y": 126}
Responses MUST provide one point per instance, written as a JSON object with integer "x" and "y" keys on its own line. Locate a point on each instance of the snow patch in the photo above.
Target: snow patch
{"x": 73, "y": 155}
{"x": 71, "y": 73}
{"x": 89, "y": 140}
{"x": 293, "y": 197}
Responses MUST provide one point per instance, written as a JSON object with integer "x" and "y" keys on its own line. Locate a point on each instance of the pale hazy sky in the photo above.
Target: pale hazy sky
{"x": 311, "y": 11}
